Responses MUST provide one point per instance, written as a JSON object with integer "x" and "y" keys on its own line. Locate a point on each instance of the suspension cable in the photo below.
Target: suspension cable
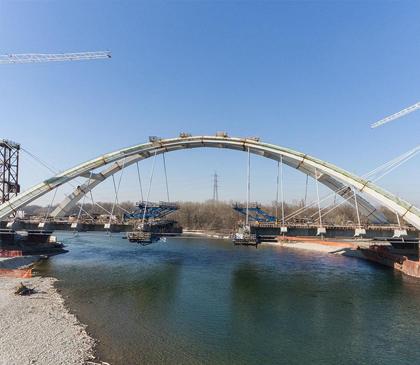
{"x": 317, "y": 195}
{"x": 357, "y": 207}
{"x": 248, "y": 188}
{"x": 116, "y": 190}
{"x": 277, "y": 191}
{"x": 97, "y": 204}
{"x": 398, "y": 219}
{"x": 391, "y": 165}
{"x": 139, "y": 178}
{"x": 83, "y": 200}
{"x": 55, "y": 171}
{"x": 399, "y": 163}
{"x": 166, "y": 176}
{"x": 306, "y": 190}
{"x": 50, "y": 205}
{"x": 281, "y": 190}
{"x": 150, "y": 187}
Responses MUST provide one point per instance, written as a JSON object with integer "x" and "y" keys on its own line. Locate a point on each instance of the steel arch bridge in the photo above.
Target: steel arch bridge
{"x": 335, "y": 178}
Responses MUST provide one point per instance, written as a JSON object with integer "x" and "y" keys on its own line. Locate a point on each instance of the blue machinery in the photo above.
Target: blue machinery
{"x": 255, "y": 213}
{"x": 151, "y": 211}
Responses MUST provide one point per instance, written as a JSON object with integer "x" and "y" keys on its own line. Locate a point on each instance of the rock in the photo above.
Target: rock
{"x": 24, "y": 290}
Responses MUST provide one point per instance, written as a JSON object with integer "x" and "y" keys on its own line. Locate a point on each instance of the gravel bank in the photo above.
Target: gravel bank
{"x": 340, "y": 248}
{"x": 38, "y": 329}
{"x": 311, "y": 247}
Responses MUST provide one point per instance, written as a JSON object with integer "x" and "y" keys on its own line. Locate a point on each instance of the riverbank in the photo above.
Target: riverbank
{"x": 39, "y": 329}
{"x": 345, "y": 248}
{"x": 207, "y": 234}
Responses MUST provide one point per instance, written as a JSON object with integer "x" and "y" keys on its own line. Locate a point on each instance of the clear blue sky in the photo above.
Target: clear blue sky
{"x": 308, "y": 75}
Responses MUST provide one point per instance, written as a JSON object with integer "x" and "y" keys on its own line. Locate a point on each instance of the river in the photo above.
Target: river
{"x": 205, "y": 301}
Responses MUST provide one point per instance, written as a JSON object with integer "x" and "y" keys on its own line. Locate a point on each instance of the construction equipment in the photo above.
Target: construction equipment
{"x": 53, "y": 57}
{"x": 397, "y": 115}
{"x": 151, "y": 211}
{"x": 255, "y": 213}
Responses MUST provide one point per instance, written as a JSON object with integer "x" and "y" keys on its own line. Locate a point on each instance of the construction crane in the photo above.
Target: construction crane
{"x": 52, "y": 57}
{"x": 400, "y": 114}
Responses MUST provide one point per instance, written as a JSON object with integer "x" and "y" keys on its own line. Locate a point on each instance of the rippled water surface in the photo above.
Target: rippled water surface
{"x": 200, "y": 301}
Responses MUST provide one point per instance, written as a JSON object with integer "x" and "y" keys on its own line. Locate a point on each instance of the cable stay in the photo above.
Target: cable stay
{"x": 277, "y": 192}
{"x": 166, "y": 177}
{"x": 321, "y": 230}
{"x": 139, "y": 180}
{"x": 116, "y": 191}
{"x": 380, "y": 172}
{"x": 389, "y": 167}
{"x": 149, "y": 215}
{"x": 54, "y": 170}
{"x": 143, "y": 234}
{"x": 47, "y": 213}
{"x": 306, "y": 190}
{"x": 283, "y": 228}
{"x": 400, "y": 232}
{"x": 149, "y": 189}
{"x": 244, "y": 236}
{"x": 248, "y": 189}
{"x": 74, "y": 225}
{"x": 279, "y": 187}
{"x": 359, "y": 231}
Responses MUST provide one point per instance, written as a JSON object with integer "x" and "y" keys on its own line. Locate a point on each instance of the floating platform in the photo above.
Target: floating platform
{"x": 19, "y": 243}
{"x": 240, "y": 239}
{"x": 142, "y": 237}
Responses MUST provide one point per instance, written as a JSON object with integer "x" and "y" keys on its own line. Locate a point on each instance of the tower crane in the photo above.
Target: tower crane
{"x": 53, "y": 57}
{"x": 397, "y": 115}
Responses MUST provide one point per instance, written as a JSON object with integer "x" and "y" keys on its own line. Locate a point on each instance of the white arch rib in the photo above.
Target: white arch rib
{"x": 328, "y": 174}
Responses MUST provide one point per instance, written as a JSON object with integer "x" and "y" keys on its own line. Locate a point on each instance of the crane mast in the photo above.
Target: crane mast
{"x": 397, "y": 115}
{"x": 53, "y": 57}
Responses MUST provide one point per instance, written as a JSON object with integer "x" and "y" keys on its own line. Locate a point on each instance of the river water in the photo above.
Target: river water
{"x": 202, "y": 301}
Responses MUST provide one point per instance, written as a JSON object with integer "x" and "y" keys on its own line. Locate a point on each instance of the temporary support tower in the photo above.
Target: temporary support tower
{"x": 9, "y": 168}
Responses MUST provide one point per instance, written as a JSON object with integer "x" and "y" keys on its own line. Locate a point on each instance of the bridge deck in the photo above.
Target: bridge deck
{"x": 374, "y": 227}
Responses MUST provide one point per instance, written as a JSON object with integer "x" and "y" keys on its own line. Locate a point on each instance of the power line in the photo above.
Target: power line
{"x": 215, "y": 187}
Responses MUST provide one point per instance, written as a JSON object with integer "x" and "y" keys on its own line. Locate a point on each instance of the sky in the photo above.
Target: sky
{"x": 307, "y": 75}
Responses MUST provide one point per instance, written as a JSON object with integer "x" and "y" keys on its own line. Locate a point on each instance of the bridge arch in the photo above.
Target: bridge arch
{"x": 328, "y": 174}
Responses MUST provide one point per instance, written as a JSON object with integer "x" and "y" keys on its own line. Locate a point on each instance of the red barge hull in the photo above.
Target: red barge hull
{"x": 383, "y": 256}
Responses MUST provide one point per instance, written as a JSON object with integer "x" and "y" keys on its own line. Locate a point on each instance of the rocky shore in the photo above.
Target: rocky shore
{"x": 39, "y": 329}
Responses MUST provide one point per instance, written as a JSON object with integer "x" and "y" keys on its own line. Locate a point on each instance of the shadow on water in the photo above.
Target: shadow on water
{"x": 199, "y": 301}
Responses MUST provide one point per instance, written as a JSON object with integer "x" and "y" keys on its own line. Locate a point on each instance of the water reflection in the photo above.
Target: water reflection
{"x": 197, "y": 301}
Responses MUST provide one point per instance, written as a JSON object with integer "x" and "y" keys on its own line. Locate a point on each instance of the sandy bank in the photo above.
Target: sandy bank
{"x": 38, "y": 329}
{"x": 338, "y": 248}
{"x": 202, "y": 233}
{"x": 310, "y": 246}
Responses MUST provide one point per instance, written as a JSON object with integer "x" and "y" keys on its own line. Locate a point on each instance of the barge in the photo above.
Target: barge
{"x": 400, "y": 255}
{"x": 28, "y": 242}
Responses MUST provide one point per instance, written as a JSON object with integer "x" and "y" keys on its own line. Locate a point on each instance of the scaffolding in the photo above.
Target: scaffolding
{"x": 255, "y": 213}
{"x": 9, "y": 170}
{"x": 151, "y": 211}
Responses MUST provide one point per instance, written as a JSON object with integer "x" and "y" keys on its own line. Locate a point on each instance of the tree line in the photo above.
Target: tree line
{"x": 219, "y": 216}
